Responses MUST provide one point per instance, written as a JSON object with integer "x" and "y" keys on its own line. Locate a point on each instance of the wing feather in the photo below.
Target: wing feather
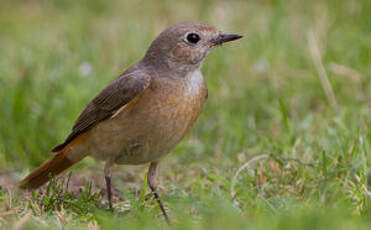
{"x": 117, "y": 94}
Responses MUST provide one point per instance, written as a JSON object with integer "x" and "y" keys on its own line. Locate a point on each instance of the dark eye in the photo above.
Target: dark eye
{"x": 193, "y": 38}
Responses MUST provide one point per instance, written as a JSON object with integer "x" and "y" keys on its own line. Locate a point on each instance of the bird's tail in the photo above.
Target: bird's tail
{"x": 48, "y": 169}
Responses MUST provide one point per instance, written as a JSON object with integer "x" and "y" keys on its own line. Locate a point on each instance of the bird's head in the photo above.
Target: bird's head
{"x": 185, "y": 45}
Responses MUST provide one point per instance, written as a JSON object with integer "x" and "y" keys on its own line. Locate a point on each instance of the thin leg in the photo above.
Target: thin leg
{"x": 152, "y": 182}
{"x": 107, "y": 177}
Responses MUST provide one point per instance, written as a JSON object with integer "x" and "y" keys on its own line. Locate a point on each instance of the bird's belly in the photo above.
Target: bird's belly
{"x": 157, "y": 136}
{"x": 148, "y": 130}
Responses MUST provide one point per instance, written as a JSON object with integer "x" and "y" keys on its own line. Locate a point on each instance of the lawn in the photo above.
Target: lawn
{"x": 284, "y": 141}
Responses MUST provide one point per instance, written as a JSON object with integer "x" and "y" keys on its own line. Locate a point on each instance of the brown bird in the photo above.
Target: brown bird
{"x": 143, "y": 114}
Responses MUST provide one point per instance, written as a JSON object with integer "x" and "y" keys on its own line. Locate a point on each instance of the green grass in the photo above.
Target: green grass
{"x": 306, "y": 143}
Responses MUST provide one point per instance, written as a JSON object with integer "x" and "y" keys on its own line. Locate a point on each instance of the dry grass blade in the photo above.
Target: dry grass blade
{"x": 22, "y": 221}
{"x": 247, "y": 164}
{"x": 346, "y": 71}
{"x": 317, "y": 60}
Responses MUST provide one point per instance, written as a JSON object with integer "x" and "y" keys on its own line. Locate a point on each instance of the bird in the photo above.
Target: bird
{"x": 145, "y": 112}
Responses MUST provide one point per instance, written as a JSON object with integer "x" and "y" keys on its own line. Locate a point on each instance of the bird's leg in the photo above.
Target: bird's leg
{"x": 152, "y": 182}
{"x": 107, "y": 177}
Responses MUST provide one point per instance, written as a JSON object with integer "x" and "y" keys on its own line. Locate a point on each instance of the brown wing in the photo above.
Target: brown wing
{"x": 121, "y": 91}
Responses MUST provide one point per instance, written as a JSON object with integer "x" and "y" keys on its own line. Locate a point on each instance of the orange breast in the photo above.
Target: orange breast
{"x": 152, "y": 126}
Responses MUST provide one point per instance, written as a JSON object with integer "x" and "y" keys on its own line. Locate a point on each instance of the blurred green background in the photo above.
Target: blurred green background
{"x": 295, "y": 91}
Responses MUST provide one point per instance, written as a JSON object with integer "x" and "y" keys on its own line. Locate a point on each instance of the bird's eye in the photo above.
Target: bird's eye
{"x": 193, "y": 38}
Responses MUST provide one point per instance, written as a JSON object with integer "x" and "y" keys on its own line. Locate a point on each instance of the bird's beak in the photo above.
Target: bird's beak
{"x": 222, "y": 38}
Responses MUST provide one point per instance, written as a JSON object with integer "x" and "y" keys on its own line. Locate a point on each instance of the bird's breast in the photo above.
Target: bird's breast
{"x": 157, "y": 121}
{"x": 168, "y": 110}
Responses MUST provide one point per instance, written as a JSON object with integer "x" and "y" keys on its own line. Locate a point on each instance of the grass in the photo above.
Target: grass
{"x": 284, "y": 141}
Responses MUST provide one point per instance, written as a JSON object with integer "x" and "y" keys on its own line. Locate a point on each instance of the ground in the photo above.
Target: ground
{"x": 283, "y": 142}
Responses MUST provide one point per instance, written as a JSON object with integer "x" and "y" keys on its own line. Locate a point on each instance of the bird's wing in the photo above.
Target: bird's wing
{"x": 117, "y": 94}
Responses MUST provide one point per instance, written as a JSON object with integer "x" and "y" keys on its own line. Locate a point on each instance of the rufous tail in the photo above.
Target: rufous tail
{"x": 47, "y": 170}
